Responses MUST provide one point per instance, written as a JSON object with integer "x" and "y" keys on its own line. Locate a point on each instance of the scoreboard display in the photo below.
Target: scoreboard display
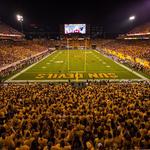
{"x": 75, "y": 28}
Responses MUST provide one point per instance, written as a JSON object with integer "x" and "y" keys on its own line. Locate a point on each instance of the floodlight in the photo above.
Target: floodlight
{"x": 19, "y": 18}
{"x": 131, "y": 18}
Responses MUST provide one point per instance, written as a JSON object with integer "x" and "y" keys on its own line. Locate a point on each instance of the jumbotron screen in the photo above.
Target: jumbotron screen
{"x": 75, "y": 28}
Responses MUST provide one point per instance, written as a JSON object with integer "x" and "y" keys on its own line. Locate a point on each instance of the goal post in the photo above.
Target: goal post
{"x": 77, "y": 43}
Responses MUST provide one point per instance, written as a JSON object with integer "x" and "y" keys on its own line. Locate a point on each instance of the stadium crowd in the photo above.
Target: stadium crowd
{"x": 136, "y": 53}
{"x": 12, "y": 52}
{"x": 135, "y": 49}
{"x": 14, "y": 56}
{"x": 63, "y": 117}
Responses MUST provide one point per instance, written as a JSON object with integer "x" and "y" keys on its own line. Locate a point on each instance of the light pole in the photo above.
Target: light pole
{"x": 20, "y": 19}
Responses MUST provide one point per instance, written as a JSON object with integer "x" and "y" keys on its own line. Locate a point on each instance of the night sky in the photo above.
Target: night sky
{"x": 111, "y": 14}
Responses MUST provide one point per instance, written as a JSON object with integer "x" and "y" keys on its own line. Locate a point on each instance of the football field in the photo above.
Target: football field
{"x": 75, "y": 65}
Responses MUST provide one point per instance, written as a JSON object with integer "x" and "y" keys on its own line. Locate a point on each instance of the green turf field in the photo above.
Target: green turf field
{"x": 74, "y": 65}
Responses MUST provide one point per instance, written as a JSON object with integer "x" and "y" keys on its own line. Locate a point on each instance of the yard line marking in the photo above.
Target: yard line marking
{"x": 16, "y": 75}
{"x": 56, "y": 56}
{"x": 59, "y": 62}
{"x": 130, "y": 70}
{"x": 97, "y": 57}
{"x": 43, "y": 67}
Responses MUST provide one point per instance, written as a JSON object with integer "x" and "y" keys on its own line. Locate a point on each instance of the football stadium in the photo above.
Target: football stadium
{"x": 79, "y": 81}
{"x": 56, "y": 66}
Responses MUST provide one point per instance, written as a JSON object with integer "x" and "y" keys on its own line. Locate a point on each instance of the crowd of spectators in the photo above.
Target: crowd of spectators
{"x": 14, "y": 56}
{"x": 19, "y": 65}
{"x": 12, "y": 52}
{"x": 135, "y": 49}
{"x": 131, "y": 50}
{"x": 63, "y": 117}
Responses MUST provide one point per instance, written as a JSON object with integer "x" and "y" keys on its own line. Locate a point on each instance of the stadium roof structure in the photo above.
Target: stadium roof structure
{"x": 145, "y": 28}
{"x": 140, "y": 32}
{"x": 7, "y": 32}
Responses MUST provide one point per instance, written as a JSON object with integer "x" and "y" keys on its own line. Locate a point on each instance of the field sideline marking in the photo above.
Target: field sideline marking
{"x": 11, "y": 78}
{"x": 74, "y": 71}
{"x": 137, "y": 74}
{"x": 73, "y": 80}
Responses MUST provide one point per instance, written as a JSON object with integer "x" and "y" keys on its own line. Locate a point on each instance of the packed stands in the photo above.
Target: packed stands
{"x": 100, "y": 116}
{"x": 14, "y": 56}
{"x": 12, "y": 52}
{"x": 135, "y": 49}
{"x": 135, "y": 52}
{"x": 132, "y": 48}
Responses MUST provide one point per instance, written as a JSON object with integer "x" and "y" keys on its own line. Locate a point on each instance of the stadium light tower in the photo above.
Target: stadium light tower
{"x": 131, "y": 18}
{"x": 20, "y": 19}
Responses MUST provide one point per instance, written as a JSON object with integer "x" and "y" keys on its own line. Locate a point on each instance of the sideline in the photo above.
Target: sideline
{"x": 79, "y": 80}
